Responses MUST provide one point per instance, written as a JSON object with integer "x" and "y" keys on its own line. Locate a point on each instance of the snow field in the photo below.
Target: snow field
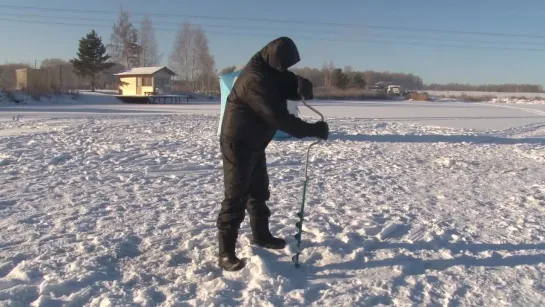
{"x": 120, "y": 210}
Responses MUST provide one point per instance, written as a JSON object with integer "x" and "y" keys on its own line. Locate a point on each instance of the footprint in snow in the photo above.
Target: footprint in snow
{"x": 60, "y": 159}
{"x": 5, "y": 203}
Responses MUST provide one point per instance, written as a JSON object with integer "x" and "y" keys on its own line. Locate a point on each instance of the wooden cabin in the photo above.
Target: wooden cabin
{"x": 145, "y": 81}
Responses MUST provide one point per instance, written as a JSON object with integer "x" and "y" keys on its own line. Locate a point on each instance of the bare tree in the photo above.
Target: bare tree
{"x": 53, "y": 62}
{"x": 148, "y": 44}
{"x": 191, "y": 57}
{"x": 328, "y": 69}
{"x": 181, "y": 56}
{"x": 205, "y": 63}
{"x": 133, "y": 56}
{"x": 61, "y": 73}
{"x": 124, "y": 46}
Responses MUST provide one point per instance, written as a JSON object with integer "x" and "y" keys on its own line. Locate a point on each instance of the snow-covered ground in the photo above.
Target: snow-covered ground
{"x": 409, "y": 204}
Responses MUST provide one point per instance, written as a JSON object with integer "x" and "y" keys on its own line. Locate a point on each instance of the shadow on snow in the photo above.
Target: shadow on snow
{"x": 398, "y": 138}
{"x": 307, "y": 276}
{"x": 415, "y": 266}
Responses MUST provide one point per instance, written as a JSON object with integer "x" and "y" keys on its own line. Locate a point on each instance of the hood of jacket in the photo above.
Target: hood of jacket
{"x": 280, "y": 54}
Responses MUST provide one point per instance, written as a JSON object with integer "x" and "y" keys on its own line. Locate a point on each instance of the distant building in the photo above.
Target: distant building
{"x": 378, "y": 87}
{"x": 393, "y": 90}
{"x": 145, "y": 81}
{"x": 32, "y": 79}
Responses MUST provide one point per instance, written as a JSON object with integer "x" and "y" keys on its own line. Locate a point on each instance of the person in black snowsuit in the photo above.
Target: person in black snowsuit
{"x": 256, "y": 109}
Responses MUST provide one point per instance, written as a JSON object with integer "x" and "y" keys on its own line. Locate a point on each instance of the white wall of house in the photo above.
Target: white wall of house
{"x": 136, "y": 85}
{"x": 128, "y": 86}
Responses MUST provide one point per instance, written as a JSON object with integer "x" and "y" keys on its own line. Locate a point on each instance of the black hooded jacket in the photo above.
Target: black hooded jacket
{"x": 257, "y": 105}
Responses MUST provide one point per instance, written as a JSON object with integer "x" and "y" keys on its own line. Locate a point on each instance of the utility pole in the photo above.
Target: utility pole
{"x": 60, "y": 75}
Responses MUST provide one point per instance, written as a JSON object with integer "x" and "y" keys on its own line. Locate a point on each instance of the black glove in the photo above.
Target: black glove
{"x": 304, "y": 88}
{"x": 320, "y": 130}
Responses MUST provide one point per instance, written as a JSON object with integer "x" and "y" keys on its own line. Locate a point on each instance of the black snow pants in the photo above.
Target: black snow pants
{"x": 246, "y": 185}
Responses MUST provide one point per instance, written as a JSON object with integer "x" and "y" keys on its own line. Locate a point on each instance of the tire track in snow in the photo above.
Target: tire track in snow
{"x": 530, "y": 110}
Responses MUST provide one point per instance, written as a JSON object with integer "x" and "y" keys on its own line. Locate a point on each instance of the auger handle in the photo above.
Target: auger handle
{"x": 318, "y": 141}
{"x": 313, "y": 109}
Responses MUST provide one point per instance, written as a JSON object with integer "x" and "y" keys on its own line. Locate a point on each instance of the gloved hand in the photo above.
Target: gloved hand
{"x": 304, "y": 88}
{"x": 320, "y": 130}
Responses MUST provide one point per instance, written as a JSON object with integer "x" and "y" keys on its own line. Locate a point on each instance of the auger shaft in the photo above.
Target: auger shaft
{"x": 301, "y": 213}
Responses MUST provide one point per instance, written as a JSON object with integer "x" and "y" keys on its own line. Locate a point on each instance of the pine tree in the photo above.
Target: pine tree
{"x": 92, "y": 57}
{"x": 338, "y": 78}
{"x": 357, "y": 80}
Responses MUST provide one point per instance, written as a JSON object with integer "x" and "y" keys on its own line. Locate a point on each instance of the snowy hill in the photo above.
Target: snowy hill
{"x": 437, "y": 204}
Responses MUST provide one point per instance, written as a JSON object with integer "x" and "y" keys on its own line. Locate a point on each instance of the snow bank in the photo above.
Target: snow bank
{"x": 99, "y": 97}
{"x": 20, "y": 98}
{"x": 518, "y": 101}
{"x": 494, "y": 97}
{"x": 495, "y": 94}
{"x": 117, "y": 211}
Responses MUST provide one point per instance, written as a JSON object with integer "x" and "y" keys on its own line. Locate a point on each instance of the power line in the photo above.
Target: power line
{"x": 224, "y": 26}
{"x": 239, "y": 35}
{"x": 168, "y": 23}
{"x": 350, "y": 25}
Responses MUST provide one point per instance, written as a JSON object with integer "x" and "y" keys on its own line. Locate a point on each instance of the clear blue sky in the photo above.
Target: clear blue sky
{"x": 361, "y": 47}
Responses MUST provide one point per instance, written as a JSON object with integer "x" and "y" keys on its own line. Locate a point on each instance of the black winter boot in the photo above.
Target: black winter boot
{"x": 263, "y": 237}
{"x": 227, "y": 258}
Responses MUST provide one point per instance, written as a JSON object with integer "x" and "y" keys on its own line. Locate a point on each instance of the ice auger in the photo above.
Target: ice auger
{"x": 301, "y": 213}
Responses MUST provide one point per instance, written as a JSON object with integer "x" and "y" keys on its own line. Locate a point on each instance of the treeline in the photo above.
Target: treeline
{"x": 509, "y": 88}
{"x": 330, "y": 76}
